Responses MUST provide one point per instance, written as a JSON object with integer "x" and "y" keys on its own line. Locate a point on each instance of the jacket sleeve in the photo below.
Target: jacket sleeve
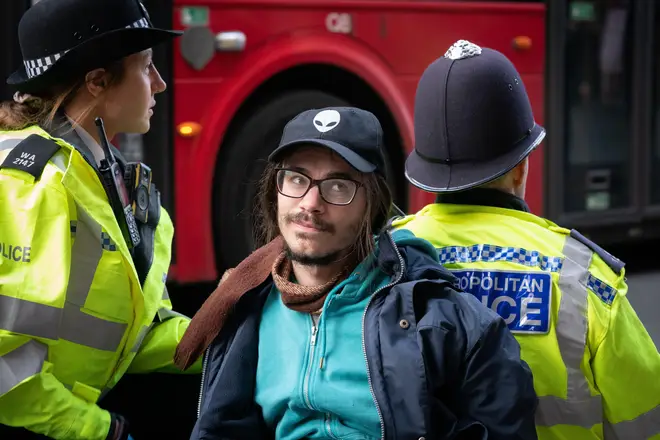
{"x": 30, "y": 395}
{"x": 497, "y": 388}
{"x": 626, "y": 367}
{"x": 156, "y": 353}
{"x": 41, "y": 403}
{"x": 227, "y": 409}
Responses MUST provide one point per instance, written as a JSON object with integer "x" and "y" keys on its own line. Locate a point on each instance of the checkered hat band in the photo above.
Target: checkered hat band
{"x": 37, "y": 67}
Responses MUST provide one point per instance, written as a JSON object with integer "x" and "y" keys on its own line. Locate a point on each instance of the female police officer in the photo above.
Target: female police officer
{"x": 82, "y": 285}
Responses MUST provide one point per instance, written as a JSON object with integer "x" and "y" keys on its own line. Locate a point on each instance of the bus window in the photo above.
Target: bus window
{"x": 598, "y": 102}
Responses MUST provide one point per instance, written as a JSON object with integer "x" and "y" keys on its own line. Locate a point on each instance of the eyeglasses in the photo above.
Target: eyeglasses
{"x": 336, "y": 191}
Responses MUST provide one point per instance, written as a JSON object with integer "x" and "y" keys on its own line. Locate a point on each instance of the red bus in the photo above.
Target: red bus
{"x": 244, "y": 67}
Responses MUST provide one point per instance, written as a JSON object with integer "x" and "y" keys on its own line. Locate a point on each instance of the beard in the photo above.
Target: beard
{"x": 313, "y": 260}
{"x": 310, "y": 259}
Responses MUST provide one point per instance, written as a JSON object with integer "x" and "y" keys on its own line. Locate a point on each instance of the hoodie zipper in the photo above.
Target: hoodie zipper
{"x": 308, "y": 373}
{"x": 364, "y": 345}
{"x": 306, "y": 386}
{"x": 201, "y": 390}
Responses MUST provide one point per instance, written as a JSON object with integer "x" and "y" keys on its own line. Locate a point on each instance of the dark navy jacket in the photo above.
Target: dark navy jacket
{"x": 453, "y": 372}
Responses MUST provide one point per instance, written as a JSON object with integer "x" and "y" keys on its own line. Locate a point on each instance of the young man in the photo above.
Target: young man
{"x": 81, "y": 303}
{"x": 324, "y": 332}
{"x": 595, "y": 367}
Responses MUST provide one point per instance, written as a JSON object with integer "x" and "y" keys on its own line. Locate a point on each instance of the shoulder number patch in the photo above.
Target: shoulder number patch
{"x": 523, "y": 299}
{"x": 31, "y": 155}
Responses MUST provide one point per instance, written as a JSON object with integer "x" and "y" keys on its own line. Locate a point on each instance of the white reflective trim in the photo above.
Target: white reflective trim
{"x": 165, "y": 313}
{"x": 59, "y": 160}
{"x": 86, "y": 254}
{"x": 643, "y": 427}
{"x": 9, "y": 144}
{"x": 78, "y": 326}
{"x": 70, "y": 322}
{"x": 143, "y": 333}
{"x": 553, "y": 410}
{"x": 29, "y": 318}
{"x": 21, "y": 363}
{"x": 572, "y": 316}
{"x": 88, "y": 330}
{"x": 579, "y": 408}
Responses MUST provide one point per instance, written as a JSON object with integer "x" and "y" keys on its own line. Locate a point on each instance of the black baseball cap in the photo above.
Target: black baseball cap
{"x": 354, "y": 134}
{"x": 473, "y": 120}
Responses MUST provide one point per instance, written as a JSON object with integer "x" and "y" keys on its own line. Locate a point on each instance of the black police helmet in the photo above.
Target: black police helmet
{"x": 473, "y": 120}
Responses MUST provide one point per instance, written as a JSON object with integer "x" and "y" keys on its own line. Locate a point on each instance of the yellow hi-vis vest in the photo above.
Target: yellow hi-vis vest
{"x": 596, "y": 370}
{"x": 73, "y": 315}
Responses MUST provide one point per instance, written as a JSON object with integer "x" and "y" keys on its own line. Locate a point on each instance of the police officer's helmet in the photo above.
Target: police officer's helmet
{"x": 473, "y": 120}
{"x": 64, "y": 38}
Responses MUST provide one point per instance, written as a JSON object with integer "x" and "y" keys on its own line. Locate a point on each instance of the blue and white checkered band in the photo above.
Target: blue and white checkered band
{"x": 37, "y": 67}
{"x": 462, "y": 49}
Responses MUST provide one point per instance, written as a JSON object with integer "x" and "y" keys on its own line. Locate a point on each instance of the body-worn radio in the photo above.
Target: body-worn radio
{"x": 138, "y": 181}
{"x": 115, "y": 187}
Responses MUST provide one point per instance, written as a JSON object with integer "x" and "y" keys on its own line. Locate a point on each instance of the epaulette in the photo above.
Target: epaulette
{"x": 614, "y": 263}
{"x": 31, "y": 155}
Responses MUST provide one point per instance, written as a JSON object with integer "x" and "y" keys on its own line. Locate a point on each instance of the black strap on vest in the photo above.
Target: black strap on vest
{"x": 613, "y": 262}
{"x": 31, "y": 155}
{"x": 143, "y": 253}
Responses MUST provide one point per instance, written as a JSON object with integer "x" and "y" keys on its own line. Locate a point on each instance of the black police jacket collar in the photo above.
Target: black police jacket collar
{"x": 484, "y": 197}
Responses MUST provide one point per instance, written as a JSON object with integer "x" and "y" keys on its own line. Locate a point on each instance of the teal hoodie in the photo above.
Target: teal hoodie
{"x": 312, "y": 374}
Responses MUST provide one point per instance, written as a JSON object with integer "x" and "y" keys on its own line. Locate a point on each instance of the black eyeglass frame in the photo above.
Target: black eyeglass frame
{"x": 315, "y": 182}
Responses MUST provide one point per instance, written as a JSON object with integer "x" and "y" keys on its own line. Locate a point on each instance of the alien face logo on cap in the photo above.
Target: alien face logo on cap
{"x": 462, "y": 49}
{"x": 326, "y": 120}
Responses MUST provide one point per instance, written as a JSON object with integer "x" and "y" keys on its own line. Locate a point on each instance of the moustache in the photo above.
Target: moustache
{"x": 301, "y": 217}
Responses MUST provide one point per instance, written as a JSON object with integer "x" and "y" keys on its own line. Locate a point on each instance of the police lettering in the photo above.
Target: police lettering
{"x": 522, "y": 299}
{"x": 15, "y": 253}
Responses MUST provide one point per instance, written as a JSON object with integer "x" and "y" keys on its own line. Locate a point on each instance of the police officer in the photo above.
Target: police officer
{"x": 595, "y": 367}
{"x": 82, "y": 301}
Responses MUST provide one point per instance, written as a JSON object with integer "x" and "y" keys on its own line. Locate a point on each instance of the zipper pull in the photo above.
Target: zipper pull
{"x": 314, "y": 330}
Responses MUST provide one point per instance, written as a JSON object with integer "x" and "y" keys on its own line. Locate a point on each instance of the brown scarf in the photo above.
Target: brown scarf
{"x": 249, "y": 274}
{"x": 306, "y": 299}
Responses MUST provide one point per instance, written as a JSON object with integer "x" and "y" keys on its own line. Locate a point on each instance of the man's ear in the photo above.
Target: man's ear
{"x": 520, "y": 172}
{"x": 96, "y": 82}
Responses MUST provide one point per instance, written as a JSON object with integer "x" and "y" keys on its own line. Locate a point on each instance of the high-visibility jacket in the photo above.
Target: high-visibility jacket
{"x": 74, "y": 316}
{"x": 596, "y": 370}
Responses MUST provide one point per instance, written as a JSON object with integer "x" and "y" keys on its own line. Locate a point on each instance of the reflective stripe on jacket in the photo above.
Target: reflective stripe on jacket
{"x": 73, "y": 315}
{"x": 595, "y": 367}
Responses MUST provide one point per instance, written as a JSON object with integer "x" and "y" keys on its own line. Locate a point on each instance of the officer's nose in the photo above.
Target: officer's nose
{"x": 158, "y": 85}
